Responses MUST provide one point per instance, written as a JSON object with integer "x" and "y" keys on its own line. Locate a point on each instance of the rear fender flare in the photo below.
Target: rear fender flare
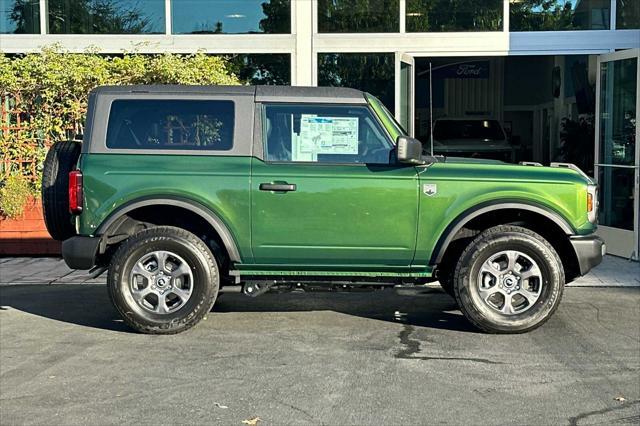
{"x": 212, "y": 218}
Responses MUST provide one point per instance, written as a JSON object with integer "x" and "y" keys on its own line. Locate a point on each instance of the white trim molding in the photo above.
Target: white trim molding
{"x": 216, "y": 43}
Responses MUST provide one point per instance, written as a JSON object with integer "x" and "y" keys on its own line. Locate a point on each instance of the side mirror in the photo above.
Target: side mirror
{"x": 409, "y": 150}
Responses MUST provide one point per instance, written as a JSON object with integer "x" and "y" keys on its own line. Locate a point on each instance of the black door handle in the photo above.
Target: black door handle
{"x": 278, "y": 187}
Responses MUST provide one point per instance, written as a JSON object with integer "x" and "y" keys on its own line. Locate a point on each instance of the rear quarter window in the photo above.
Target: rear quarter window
{"x": 198, "y": 125}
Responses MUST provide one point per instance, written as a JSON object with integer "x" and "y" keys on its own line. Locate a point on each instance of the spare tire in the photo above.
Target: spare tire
{"x": 61, "y": 159}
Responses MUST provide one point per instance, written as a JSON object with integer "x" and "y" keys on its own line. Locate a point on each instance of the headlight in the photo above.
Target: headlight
{"x": 592, "y": 203}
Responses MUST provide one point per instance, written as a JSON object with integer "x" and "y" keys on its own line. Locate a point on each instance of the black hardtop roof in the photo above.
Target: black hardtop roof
{"x": 261, "y": 93}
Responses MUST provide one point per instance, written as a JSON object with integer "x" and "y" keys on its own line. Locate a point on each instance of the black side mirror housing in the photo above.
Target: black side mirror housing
{"x": 409, "y": 150}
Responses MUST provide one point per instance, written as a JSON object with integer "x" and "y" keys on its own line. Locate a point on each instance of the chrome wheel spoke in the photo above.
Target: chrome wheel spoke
{"x": 181, "y": 293}
{"x": 512, "y": 257}
{"x": 139, "y": 269}
{"x": 162, "y": 307}
{"x": 139, "y": 295}
{"x": 490, "y": 268}
{"x": 161, "y": 257}
{"x": 507, "y": 307}
{"x": 532, "y": 272}
{"x": 182, "y": 269}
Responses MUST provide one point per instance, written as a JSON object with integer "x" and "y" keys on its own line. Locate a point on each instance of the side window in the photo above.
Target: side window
{"x": 171, "y": 124}
{"x": 324, "y": 134}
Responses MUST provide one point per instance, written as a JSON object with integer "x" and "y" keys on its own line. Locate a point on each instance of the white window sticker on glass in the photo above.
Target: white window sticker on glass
{"x": 325, "y": 135}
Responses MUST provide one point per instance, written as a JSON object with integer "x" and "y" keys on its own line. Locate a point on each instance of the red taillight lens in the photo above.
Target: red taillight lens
{"x": 75, "y": 192}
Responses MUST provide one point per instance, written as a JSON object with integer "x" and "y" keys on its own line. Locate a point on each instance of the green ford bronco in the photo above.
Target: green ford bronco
{"x": 181, "y": 192}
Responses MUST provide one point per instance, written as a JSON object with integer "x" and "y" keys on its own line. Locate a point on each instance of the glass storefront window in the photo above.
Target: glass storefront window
{"x": 452, "y": 15}
{"x": 559, "y": 15}
{"x": 616, "y": 197}
{"x": 618, "y": 94}
{"x": 262, "y": 69}
{"x": 19, "y": 17}
{"x": 231, "y": 16}
{"x": 362, "y": 16}
{"x": 627, "y": 14}
{"x": 106, "y": 17}
{"x": 370, "y": 72}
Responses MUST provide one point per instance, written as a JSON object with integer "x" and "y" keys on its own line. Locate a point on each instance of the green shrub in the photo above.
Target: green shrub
{"x": 48, "y": 91}
{"x": 14, "y": 193}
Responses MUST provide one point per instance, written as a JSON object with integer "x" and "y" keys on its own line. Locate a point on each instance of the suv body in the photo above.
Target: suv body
{"x": 291, "y": 186}
{"x": 475, "y": 137}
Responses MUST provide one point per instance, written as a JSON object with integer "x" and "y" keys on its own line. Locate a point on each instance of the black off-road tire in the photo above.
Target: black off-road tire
{"x": 445, "y": 278}
{"x": 491, "y": 242}
{"x": 447, "y": 268}
{"x": 199, "y": 259}
{"x": 61, "y": 159}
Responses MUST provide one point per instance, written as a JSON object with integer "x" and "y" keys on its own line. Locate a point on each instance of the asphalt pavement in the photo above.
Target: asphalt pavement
{"x": 322, "y": 358}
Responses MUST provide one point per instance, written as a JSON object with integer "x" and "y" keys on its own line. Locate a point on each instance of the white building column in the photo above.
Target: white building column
{"x": 44, "y": 17}
{"x": 302, "y": 58}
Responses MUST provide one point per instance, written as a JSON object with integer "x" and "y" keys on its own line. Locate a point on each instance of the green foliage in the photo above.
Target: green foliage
{"x": 14, "y": 193}
{"x": 48, "y": 92}
{"x": 370, "y": 72}
{"x": 546, "y": 15}
{"x": 345, "y": 16}
{"x": 454, "y": 15}
{"x": 99, "y": 17}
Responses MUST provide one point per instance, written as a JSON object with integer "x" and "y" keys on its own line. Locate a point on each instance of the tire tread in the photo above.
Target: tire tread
{"x": 60, "y": 160}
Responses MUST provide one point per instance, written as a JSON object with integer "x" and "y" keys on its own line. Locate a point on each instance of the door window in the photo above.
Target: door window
{"x": 324, "y": 134}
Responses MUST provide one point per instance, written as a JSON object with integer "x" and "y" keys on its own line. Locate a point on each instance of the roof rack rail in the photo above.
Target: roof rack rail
{"x": 572, "y": 167}
{"x": 530, "y": 163}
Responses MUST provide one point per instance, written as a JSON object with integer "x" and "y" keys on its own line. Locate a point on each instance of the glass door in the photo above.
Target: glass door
{"x": 617, "y": 151}
{"x": 405, "y": 92}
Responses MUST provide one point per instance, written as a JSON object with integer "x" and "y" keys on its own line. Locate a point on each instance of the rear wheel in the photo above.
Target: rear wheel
{"x": 61, "y": 159}
{"x": 163, "y": 280}
{"x": 508, "y": 280}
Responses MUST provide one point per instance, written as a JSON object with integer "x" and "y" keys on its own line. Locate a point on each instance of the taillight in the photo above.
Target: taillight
{"x": 75, "y": 192}
{"x": 592, "y": 203}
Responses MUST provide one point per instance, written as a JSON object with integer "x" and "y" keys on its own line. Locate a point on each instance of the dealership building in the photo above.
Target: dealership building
{"x": 560, "y": 77}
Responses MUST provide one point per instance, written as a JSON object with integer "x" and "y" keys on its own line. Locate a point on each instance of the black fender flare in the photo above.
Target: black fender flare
{"x": 470, "y": 214}
{"x": 212, "y": 218}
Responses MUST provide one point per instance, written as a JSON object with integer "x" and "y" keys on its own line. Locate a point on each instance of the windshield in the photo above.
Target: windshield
{"x": 485, "y": 130}
{"x": 390, "y": 123}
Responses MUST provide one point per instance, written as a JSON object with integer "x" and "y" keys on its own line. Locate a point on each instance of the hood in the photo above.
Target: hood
{"x": 467, "y": 160}
{"x": 471, "y": 145}
{"x": 480, "y": 168}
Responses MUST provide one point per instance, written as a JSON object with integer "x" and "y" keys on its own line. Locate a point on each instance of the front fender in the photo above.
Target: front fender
{"x": 463, "y": 193}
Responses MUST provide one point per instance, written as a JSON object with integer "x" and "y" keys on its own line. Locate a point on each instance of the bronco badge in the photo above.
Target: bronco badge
{"x": 430, "y": 189}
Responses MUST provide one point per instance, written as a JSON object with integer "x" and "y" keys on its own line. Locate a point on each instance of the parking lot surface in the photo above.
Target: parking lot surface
{"x": 321, "y": 358}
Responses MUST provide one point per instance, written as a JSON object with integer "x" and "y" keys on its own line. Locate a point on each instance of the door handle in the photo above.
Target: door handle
{"x": 278, "y": 187}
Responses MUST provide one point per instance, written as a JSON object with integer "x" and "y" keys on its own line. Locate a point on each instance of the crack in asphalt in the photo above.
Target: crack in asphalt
{"x": 411, "y": 347}
{"x": 573, "y": 421}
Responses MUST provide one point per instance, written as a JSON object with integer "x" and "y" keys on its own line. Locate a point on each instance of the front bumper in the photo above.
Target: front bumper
{"x": 589, "y": 251}
{"x": 80, "y": 252}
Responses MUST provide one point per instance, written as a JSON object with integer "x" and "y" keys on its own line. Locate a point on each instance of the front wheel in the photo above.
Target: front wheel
{"x": 163, "y": 280}
{"x": 508, "y": 280}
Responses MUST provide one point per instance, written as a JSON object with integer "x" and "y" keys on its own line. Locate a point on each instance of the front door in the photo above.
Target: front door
{"x": 326, "y": 193}
{"x": 617, "y": 156}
